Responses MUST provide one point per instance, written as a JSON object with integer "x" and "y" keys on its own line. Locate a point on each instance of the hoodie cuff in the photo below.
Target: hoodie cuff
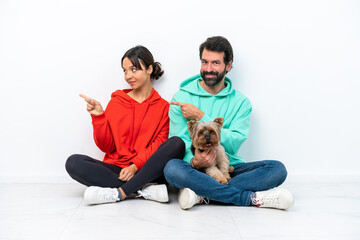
{"x": 206, "y": 118}
{"x": 98, "y": 119}
{"x": 137, "y": 162}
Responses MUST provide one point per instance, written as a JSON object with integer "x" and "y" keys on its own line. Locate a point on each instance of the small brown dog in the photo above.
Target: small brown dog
{"x": 206, "y": 135}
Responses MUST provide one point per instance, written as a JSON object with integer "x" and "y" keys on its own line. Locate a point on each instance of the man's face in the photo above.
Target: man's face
{"x": 213, "y": 68}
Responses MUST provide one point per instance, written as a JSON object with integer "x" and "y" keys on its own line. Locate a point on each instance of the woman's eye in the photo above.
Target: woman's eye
{"x": 134, "y": 69}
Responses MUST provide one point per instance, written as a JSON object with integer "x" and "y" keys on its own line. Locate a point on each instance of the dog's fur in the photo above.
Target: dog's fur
{"x": 206, "y": 135}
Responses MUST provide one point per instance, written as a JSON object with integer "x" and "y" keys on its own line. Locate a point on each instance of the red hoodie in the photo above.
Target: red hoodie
{"x": 129, "y": 131}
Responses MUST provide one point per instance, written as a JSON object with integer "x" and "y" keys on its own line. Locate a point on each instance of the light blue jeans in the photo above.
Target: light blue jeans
{"x": 245, "y": 179}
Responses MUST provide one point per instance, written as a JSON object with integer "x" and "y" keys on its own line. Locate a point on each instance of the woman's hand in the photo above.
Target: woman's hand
{"x": 93, "y": 106}
{"x": 127, "y": 173}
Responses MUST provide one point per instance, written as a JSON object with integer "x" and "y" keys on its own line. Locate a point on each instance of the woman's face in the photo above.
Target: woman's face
{"x": 135, "y": 77}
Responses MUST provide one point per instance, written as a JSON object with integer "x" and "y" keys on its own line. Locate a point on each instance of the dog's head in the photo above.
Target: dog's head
{"x": 205, "y": 135}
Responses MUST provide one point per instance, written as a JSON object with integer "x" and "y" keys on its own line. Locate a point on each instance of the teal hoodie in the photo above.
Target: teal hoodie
{"x": 229, "y": 103}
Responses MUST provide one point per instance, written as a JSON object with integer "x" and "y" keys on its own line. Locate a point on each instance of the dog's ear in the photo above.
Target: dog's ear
{"x": 219, "y": 121}
{"x": 191, "y": 125}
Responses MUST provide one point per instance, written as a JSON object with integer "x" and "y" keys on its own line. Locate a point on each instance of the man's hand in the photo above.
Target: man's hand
{"x": 189, "y": 111}
{"x": 203, "y": 159}
{"x": 93, "y": 106}
{"x": 127, "y": 173}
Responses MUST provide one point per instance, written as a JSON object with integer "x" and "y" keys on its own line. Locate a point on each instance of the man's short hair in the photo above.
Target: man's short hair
{"x": 218, "y": 44}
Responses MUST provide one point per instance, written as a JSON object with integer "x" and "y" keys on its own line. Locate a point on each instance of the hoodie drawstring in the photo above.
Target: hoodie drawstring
{"x": 135, "y": 132}
{"x": 131, "y": 137}
{"x": 227, "y": 105}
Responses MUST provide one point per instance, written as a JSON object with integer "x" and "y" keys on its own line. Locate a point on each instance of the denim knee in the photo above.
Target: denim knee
{"x": 280, "y": 170}
{"x": 169, "y": 170}
{"x": 173, "y": 172}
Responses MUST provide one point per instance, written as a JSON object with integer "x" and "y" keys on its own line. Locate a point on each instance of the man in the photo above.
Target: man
{"x": 205, "y": 97}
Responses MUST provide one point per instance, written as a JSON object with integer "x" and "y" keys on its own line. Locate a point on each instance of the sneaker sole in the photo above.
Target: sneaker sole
{"x": 163, "y": 196}
{"x": 89, "y": 192}
{"x": 288, "y": 196}
{"x": 184, "y": 197}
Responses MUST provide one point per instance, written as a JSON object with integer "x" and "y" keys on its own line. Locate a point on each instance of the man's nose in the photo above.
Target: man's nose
{"x": 209, "y": 67}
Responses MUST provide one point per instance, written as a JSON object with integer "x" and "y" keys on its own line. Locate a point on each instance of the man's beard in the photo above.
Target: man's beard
{"x": 210, "y": 82}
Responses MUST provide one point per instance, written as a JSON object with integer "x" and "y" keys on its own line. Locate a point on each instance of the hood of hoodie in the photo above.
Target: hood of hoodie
{"x": 192, "y": 85}
{"x": 138, "y": 110}
{"x": 123, "y": 97}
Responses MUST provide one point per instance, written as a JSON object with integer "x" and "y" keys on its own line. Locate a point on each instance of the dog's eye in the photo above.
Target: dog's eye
{"x": 212, "y": 131}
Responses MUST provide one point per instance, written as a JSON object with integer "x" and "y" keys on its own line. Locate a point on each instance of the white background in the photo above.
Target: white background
{"x": 297, "y": 61}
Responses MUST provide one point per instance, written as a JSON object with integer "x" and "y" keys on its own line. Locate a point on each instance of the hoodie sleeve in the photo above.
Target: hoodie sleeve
{"x": 161, "y": 137}
{"x": 179, "y": 127}
{"x": 102, "y": 133}
{"x": 234, "y": 133}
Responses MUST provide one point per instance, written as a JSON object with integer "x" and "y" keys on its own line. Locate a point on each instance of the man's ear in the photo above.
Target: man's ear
{"x": 219, "y": 121}
{"x": 228, "y": 66}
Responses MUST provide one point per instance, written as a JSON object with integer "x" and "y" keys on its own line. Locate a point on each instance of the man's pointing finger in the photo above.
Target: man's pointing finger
{"x": 177, "y": 103}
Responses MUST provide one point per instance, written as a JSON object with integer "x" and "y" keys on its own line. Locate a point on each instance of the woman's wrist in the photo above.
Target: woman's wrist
{"x": 97, "y": 113}
{"x": 134, "y": 167}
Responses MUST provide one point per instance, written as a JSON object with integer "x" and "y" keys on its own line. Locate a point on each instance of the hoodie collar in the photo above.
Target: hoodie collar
{"x": 126, "y": 99}
{"x": 192, "y": 85}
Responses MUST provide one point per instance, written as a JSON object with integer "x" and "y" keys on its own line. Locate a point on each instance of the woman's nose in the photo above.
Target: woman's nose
{"x": 128, "y": 75}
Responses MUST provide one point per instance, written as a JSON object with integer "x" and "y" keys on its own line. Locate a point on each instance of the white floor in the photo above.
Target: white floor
{"x": 322, "y": 210}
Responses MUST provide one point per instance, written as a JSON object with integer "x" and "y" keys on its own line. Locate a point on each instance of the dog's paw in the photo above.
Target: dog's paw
{"x": 223, "y": 181}
{"x": 231, "y": 169}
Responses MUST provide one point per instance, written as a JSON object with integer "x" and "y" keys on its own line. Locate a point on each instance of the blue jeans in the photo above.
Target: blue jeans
{"x": 245, "y": 179}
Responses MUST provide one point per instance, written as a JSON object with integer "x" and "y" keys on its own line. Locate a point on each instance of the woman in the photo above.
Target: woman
{"x": 133, "y": 132}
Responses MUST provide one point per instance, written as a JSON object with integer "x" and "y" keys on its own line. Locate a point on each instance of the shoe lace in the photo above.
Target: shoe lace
{"x": 146, "y": 193}
{"x": 108, "y": 196}
{"x": 204, "y": 200}
{"x": 270, "y": 198}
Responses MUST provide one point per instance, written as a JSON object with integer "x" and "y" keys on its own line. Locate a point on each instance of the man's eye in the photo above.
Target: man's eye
{"x": 133, "y": 69}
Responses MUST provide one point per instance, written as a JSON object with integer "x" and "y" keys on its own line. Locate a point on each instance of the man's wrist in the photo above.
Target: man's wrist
{"x": 192, "y": 163}
{"x": 200, "y": 115}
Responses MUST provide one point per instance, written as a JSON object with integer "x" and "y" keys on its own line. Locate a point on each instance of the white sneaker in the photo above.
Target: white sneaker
{"x": 274, "y": 198}
{"x": 187, "y": 198}
{"x": 157, "y": 193}
{"x": 99, "y": 195}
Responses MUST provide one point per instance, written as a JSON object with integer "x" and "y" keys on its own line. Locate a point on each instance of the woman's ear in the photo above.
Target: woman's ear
{"x": 150, "y": 70}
